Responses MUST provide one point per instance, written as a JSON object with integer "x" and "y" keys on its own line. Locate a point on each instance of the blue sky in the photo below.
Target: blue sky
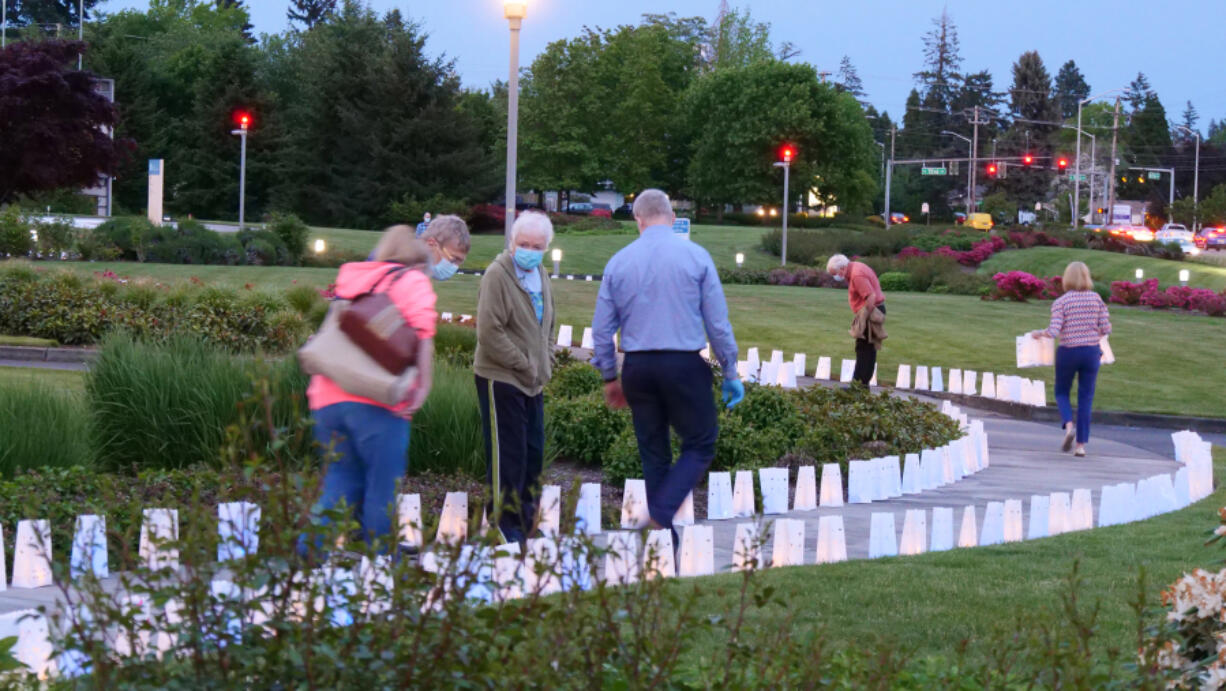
{"x": 1177, "y": 43}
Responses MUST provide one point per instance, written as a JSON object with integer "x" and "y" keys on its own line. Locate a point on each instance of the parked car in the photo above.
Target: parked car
{"x": 579, "y": 209}
{"x": 624, "y": 210}
{"x": 959, "y": 217}
{"x": 1211, "y": 238}
{"x": 980, "y": 221}
{"x": 899, "y": 217}
{"x": 604, "y": 210}
{"x": 1177, "y": 234}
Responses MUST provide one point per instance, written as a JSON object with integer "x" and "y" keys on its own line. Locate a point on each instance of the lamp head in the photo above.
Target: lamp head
{"x": 515, "y": 9}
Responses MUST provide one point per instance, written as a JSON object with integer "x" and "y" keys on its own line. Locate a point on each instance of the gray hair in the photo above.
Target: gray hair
{"x": 836, "y": 263}
{"x": 533, "y": 222}
{"x": 652, "y": 203}
{"x": 449, "y": 231}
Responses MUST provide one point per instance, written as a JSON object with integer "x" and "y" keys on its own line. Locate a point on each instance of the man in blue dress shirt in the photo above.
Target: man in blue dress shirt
{"x": 664, "y": 294}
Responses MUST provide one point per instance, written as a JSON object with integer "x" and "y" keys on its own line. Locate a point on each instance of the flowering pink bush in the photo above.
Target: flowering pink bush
{"x": 1208, "y": 302}
{"x": 1018, "y": 286}
{"x": 978, "y": 254}
{"x": 1128, "y": 293}
{"x": 1054, "y": 289}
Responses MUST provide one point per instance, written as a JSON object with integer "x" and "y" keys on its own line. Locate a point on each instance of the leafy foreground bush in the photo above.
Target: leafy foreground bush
{"x": 820, "y": 424}
{"x": 554, "y": 620}
{"x": 73, "y": 310}
{"x": 41, "y": 427}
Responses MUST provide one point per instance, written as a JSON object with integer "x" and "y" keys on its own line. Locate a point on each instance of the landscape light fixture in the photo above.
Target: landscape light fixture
{"x": 1184, "y": 275}
{"x": 740, "y": 259}
{"x": 557, "y": 261}
{"x": 320, "y": 246}
{"x": 1140, "y": 274}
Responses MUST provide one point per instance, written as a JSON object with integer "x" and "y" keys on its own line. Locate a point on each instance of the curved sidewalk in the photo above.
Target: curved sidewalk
{"x": 1025, "y": 461}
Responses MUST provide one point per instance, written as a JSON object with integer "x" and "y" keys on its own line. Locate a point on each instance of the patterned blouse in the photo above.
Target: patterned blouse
{"x": 1079, "y": 318}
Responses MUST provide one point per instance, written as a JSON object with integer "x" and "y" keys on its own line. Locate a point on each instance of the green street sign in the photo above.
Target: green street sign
{"x": 1155, "y": 175}
{"x": 1076, "y": 177}
{"x": 933, "y": 171}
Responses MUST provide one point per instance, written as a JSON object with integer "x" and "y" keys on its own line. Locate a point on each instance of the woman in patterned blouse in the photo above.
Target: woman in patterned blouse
{"x": 1079, "y": 319}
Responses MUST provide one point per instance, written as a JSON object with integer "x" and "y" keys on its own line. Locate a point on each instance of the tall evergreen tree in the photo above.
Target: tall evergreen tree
{"x": 1188, "y": 119}
{"x": 1138, "y": 91}
{"x": 848, "y": 80}
{"x": 1032, "y": 106}
{"x": 942, "y": 61}
{"x": 1149, "y": 136}
{"x": 308, "y": 13}
{"x": 48, "y": 12}
{"x": 1069, "y": 89}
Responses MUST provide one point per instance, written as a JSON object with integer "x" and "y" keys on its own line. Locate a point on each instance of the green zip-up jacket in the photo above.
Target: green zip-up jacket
{"x": 512, "y": 346}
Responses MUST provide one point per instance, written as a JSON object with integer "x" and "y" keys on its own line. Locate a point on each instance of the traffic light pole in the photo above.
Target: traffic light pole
{"x": 787, "y": 169}
{"x": 970, "y": 201}
{"x": 1115, "y": 130}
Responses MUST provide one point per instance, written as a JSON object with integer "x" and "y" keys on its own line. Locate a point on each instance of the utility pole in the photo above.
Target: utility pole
{"x": 889, "y": 173}
{"x": 970, "y": 199}
{"x": 1115, "y": 131}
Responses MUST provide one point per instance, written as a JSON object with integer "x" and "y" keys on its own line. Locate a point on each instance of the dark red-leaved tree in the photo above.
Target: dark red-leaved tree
{"x": 53, "y": 125}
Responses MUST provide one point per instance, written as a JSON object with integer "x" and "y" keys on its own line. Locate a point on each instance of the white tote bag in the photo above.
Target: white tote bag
{"x": 1108, "y": 356}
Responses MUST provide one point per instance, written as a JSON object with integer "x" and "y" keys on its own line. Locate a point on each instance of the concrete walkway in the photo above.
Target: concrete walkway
{"x": 1025, "y": 460}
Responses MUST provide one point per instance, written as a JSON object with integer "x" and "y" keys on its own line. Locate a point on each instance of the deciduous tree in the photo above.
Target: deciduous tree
{"x": 53, "y": 124}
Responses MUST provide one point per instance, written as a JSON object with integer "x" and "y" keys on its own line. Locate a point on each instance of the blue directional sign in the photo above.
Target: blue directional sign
{"x": 681, "y": 228}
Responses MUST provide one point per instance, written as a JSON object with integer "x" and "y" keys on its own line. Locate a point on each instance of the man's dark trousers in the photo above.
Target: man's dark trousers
{"x": 514, "y": 432}
{"x": 866, "y": 358}
{"x": 671, "y": 389}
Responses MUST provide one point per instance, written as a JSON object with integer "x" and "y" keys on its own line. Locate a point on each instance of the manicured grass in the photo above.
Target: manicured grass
{"x": 1105, "y": 266}
{"x": 64, "y": 380}
{"x": 932, "y": 603}
{"x": 586, "y": 253}
{"x": 1161, "y": 356}
{"x": 27, "y": 341}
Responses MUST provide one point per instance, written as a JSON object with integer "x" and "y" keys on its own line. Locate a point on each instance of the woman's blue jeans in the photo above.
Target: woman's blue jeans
{"x": 1082, "y": 362}
{"x": 370, "y": 451}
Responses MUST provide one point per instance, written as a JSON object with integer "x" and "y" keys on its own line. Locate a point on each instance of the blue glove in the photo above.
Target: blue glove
{"x": 733, "y": 391}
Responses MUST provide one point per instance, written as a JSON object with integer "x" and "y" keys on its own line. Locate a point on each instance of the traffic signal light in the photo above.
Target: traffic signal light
{"x": 243, "y": 118}
{"x": 1062, "y": 163}
{"x": 787, "y": 153}
{"x": 991, "y": 170}
{"x": 1027, "y": 159}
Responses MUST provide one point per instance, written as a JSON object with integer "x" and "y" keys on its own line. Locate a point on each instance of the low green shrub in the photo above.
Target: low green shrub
{"x": 129, "y": 235}
{"x": 15, "y": 240}
{"x": 411, "y": 209}
{"x": 808, "y": 246}
{"x": 73, "y": 310}
{"x": 895, "y": 281}
{"x": 583, "y": 429}
{"x": 574, "y": 380}
{"x": 456, "y": 344}
{"x": 291, "y": 231}
{"x": 41, "y": 427}
{"x": 55, "y": 238}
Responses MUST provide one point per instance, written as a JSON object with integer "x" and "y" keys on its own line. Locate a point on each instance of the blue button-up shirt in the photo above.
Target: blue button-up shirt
{"x": 664, "y": 293}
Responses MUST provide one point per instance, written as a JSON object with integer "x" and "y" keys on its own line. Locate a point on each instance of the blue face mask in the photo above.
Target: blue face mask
{"x": 443, "y": 270}
{"x": 527, "y": 259}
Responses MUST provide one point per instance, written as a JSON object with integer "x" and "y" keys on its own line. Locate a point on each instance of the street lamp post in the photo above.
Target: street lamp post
{"x": 80, "y": 31}
{"x": 244, "y": 121}
{"x": 788, "y": 152}
{"x": 1195, "y": 178}
{"x": 969, "y": 163}
{"x": 514, "y": 11}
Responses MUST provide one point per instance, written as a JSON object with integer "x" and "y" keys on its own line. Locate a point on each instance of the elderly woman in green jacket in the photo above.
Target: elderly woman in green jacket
{"x": 513, "y": 363}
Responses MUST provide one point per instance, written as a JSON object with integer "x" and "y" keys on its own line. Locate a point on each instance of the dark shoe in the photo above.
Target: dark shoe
{"x": 1069, "y": 432}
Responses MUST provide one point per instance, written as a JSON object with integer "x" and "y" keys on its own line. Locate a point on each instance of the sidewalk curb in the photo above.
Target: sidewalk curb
{"x": 30, "y": 354}
{"x": 1100, "y": 417}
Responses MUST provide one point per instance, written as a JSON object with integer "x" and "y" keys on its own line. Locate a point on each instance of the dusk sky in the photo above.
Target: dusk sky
{"x": 1176, "y": 43}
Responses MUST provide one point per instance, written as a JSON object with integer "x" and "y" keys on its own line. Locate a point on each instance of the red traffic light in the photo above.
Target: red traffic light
{"x": 1027, "y": 159}
{"x": 243, "y": 118}
{"x": 992, "y": 169}
{"x": 1062, "y": 163}
{"x": 787, "y": 153}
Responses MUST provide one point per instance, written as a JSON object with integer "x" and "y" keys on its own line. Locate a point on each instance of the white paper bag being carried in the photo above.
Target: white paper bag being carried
{"x": 1108, "y": 356}
{"x": 1035, "y": 352}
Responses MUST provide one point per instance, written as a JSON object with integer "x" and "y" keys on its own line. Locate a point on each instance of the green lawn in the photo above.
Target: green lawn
{"x": 61, "y": 379}
{"x": 932, "y": 603}
{"x": 1162, "y": 356}
{"x": 1106, "y": 266}
{"x": 584, "y": 253}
